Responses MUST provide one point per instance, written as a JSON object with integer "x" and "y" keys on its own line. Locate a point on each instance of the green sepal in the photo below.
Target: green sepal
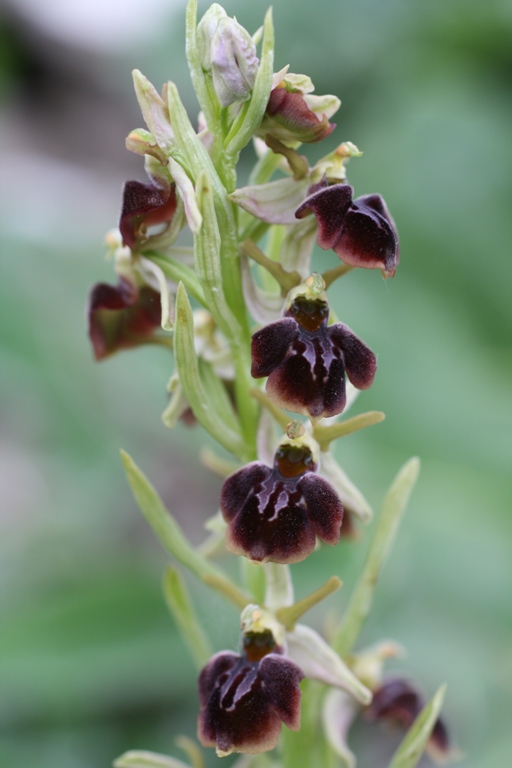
{"x": 207, "y": 249}
{"x": 179, "y": 603}
{"x": 178, "y": 272}
{"x": 207, "y": 104}
{"x": 218, "y": 396}
{"x": 142, "y": 759}
{"x": 154, "y": 111}
{"x": 199, "y": 398}
{"x": 324, "y": 435}
{"x": 384, "y": 534}
{"x": 413, "y": 745}
{"x": 249, "y": 120}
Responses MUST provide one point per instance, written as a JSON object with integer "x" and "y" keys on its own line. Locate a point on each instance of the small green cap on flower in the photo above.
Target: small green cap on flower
{"x": 227, "y": 50}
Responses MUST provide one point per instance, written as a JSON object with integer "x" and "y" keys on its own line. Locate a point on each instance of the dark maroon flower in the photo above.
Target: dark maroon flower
{"x": 143, "y": 206}
{"x": 288, "y": 116}
{"x": 276, "y": 513}
{"x": 306, "y": 360}
{"x": 121, "y": 316}
{"x": 397, "y": 700}
{"x": 244, "y": 699}
{"x": 361, "y": 231}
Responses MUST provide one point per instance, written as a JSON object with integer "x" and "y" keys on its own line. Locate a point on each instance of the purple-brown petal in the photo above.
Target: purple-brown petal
{"x": 121, "y": 316}
{"x": 238, "y": 486}
{"x": 282, "y": 677}
{"x": 217, "y": 666}
{"x": 289, "y": 117}
{"x": 325, "y": 509}
{"x": 329, "y": 204}
{"x": 360, "y": 362}
{"x": 270, "y": 344}
{"x": 238, "y": 715}
{"x": 368, "y": 236}
{"x": 398, "y": 700}
{"x": 272, "y": 525}
{"x": 145, "y": 204}
{"x": 311, "y": 380}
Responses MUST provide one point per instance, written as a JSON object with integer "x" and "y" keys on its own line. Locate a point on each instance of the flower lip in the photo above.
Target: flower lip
{"x": 274, "y": 514}
{"x": 121, "y": 316}
{"x": 145, "y": 205}
{"x": 244, "y": 703}
{"x": 306, "y": 360}
{"x": 361, "y": 231}
{"x": 398, "y": 700}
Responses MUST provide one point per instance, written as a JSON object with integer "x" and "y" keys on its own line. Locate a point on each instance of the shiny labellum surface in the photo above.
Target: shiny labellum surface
{"x": 243, "y": 703}
{"x": 274, "y": 514}
{"x": 306, "y": 360}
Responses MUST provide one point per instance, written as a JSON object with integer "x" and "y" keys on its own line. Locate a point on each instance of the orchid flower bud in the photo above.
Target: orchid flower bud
{"x": 227, "y": 50}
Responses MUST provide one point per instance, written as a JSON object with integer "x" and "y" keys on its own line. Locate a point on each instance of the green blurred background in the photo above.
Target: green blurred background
{"x": 90, "y": 661}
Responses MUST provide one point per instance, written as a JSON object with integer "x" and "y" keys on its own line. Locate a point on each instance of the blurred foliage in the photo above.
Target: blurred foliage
{"x": 90, "y": 663}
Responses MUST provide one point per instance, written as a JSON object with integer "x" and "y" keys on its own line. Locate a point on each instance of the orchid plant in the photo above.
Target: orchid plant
{"x": 265, "y": 367}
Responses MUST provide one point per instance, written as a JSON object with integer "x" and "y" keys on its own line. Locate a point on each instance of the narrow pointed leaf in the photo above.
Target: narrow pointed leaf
{"x": 141, "y": 759}
{"x": 193, "y": 386}
{"x": 178, "y": 600}
{"x": 384, "y": 534}
{"x": 162, "y": 522}
{"x": 172, "y": 537}
{"x": 412, "y": 747}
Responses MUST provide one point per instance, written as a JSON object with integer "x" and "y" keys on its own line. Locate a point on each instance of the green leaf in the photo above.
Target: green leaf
{"x": 413, "y": 745}
{"x": 140, "y": 759}
{"x": 243, "y": 130}
{"x": 162, "y": 522}
{"x": 172, "y": 537}
{"x": 386, "y": 528}
{"x": 180, "y": 605}
{"x": 188, "y": 369}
